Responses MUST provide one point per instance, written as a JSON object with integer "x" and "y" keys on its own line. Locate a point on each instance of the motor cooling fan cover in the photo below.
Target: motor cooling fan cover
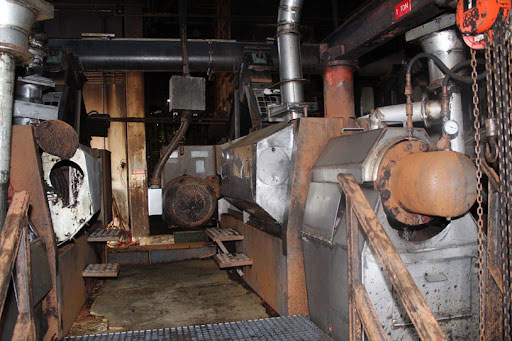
{"x": 188, "y": 202}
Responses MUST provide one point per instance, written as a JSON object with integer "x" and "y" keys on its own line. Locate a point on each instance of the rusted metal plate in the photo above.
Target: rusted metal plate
{"x": 26, "y": 176}
{"x": 311, "y": 137}
{"x": 57, "y": 138}
{"x": 414, "y": 303}
{"x": 267, "y": 275}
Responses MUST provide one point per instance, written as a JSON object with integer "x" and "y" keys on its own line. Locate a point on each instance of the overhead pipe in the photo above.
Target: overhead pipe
{"x": 288, "y": 45}
{"x": 163, "y": 55}
{"x": 15, "y": 23}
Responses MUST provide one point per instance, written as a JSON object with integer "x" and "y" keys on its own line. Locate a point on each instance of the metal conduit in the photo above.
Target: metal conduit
{"x": 288, "y": 45}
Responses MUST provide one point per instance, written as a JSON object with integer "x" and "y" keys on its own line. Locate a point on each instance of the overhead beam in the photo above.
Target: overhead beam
{"x": 377, "y": 23}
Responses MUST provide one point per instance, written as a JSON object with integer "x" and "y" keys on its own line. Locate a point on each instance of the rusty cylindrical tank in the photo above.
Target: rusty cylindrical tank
{"x": 339, "y": 89}
{"x": 437, "y": 183}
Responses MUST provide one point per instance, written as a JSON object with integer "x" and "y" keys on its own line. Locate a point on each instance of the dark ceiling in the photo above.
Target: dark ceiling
{"x": 250, "y": 20}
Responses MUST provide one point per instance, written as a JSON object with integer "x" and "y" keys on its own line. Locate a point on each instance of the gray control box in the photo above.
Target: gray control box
{"x": 187, "y": 93}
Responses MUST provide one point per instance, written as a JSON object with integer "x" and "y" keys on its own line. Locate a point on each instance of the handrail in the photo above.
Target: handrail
{"x": 15, "y": 250}
{"x": 360, "y": 213}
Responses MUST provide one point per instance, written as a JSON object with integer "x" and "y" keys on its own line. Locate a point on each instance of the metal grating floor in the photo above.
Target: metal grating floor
{"x": 274, "y": 328}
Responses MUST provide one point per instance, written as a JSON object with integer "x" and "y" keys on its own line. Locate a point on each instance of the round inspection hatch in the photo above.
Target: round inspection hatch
{"x": 273, "y": 166}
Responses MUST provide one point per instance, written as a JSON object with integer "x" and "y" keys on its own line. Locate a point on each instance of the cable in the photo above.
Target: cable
{"x": 462, "y": 65}
{"x": 440, "y": 65}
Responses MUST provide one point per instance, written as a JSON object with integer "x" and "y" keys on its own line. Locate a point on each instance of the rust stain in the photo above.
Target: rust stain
{"x": 339, "y": 92}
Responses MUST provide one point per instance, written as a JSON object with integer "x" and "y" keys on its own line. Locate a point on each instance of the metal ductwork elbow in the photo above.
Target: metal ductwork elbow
{"x": 288, "y": 44}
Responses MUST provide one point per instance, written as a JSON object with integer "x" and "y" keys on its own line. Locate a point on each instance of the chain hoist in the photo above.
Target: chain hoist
{"x": 479, "y": 198}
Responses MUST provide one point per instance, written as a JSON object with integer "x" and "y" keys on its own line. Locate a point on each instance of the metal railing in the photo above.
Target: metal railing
{"x": 362, "y": 314}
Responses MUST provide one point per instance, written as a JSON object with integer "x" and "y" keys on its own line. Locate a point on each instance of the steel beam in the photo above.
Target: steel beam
{"x": 377, "y": 23}
{"x": 153, "y": 55}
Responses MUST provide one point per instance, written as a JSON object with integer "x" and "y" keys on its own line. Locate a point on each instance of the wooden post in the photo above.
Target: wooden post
{"x": 136, "y": 136}
{"x": 414, "y": 303}
{"x": 137, "y": 167}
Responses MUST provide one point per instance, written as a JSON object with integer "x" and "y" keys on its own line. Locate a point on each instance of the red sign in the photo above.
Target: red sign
{"x": 138, "y": 171}
{"x": 402, "y": 9}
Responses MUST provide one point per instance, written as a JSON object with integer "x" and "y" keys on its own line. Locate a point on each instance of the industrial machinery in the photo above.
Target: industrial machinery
{"x": 407, "y": 185}
{"x": 73, "y": 190}
{"x": 190, "y": 187}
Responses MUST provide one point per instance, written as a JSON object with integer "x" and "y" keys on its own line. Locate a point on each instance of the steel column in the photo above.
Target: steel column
{"x": 7, "y": 68}
{"x": 339, "y": 90}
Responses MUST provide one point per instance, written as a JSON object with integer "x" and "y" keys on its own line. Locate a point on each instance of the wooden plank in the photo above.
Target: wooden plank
{"x": 101, "y": 270}
{"x": 414, "y": 303}
{"x": 353, "y": 271}
{"x": 232, "y": 260}
{"x": 10, "y": 240}
{"x": 223, "y": 234}
{"x": 25, "y": 328}
{"x": 131, "y": 248}
{"x": 372, "y": 325}
{"x": 136, "y": 156}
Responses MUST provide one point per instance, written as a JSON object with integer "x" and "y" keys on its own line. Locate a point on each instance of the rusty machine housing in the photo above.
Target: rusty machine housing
{"x": 440, "y": 254}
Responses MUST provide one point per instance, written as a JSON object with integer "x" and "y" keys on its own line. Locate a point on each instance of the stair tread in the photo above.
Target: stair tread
{"x": 105, "y": 235}
{"x": 223, "y": 234}
{"x": 101, "y": 270}
{"x": 231, "y": 260}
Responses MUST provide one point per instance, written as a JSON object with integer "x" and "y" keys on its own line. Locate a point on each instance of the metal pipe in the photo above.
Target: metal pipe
{"x": 339, "y": 90}
{"x": 154, "y": 55}
{"x": 7, "y": 68}
{"x": 421, "y": 111}
{"x": 157, "y": 173}
{"x": 15, "y": 23}
{"x": 449, "y": 48}
{"x": 288, "y": 45}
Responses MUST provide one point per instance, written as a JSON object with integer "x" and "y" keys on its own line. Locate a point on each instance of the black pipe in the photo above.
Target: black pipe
{"x": 153, "y": 55}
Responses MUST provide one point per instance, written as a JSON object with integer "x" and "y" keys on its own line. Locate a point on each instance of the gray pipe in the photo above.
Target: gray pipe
{"x": 157, "y": 173}
{"x": 7, "y": 68}
{"x": 288, "y": 45}
{"x": 448, "y": 47}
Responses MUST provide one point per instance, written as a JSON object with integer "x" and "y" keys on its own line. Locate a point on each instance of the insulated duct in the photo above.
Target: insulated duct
{"x": 288, "y": 44}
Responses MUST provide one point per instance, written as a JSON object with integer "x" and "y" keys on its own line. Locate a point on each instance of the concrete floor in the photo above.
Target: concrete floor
{"x": 168, "y": 295}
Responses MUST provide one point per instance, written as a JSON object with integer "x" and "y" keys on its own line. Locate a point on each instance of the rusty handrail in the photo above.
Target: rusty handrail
{"x": 15, "y": 250}
{"x": 10, "y": 239}
{"x": 360, "y": 213}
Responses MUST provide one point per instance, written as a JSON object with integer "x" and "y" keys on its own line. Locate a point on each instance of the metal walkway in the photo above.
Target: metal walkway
{"x": 274, "y": 328}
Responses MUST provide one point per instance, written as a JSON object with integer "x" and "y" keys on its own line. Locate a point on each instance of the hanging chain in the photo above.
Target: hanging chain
{"x": 498, "y": 63}
{"x": 480, "y": 210}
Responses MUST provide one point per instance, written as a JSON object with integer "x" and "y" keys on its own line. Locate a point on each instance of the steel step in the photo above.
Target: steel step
{"x": 274, "y": 328}
{"x": 104, "y": 235}
{"x": 231, "y": 260}
{"x": 223, "y": 234}
{"x": 101, "y": 270}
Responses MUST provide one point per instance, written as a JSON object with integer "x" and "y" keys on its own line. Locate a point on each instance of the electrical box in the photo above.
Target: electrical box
{"x": 187, "y": 93}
